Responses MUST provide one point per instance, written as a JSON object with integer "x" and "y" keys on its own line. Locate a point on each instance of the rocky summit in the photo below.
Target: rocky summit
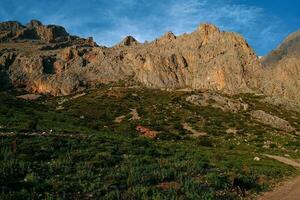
{"x": 46, "y": 59}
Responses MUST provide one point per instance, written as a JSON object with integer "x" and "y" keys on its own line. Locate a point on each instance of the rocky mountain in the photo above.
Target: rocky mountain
{"x": 282, "y": 71}
{"x": 206, "y": 59}
{"x": 46, "y": 59}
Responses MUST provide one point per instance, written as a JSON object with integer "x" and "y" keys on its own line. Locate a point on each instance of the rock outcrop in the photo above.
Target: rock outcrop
{"x": 34, "y": 30}
{"x": 218, "y": 101}
{"x": 271, "y": 120}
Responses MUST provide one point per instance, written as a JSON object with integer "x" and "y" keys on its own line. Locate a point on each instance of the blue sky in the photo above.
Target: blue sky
{"x": 264, "y": 23}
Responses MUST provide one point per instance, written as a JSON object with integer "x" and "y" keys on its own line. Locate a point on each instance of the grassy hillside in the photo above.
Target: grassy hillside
{"x": 80, "y": 150}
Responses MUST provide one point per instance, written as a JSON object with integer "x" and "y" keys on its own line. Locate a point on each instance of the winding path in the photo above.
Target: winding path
{"x": 289, "y": 190}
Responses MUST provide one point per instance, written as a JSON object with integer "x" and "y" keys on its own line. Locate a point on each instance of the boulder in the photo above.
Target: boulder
{"x": 271, "y": 120}
{"x": 218, "y": 101}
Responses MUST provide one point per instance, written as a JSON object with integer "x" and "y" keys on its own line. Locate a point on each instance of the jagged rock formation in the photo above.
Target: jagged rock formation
{"x": 206, "y": 59}
{"x": 282, "y": 71}
{"x": 35, "y": 30}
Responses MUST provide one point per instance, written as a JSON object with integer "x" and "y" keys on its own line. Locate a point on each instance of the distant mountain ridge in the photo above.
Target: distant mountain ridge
{"x": 46, "y": 59}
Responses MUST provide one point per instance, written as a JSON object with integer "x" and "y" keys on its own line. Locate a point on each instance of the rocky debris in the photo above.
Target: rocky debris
{"x": 271, "y": 120}
{"x": 195, "y": 133}
{"x": 218, "y": 101}
{"x": 146, "y": 132}
{"x": 135, "y": 115}
{"x": 30, "y": 97}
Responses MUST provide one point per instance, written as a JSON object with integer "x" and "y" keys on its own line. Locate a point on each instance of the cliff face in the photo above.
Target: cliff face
{"x": 282, "y": 70}
{"x": 46, "y": 59}
{"x": 206, "y": 59}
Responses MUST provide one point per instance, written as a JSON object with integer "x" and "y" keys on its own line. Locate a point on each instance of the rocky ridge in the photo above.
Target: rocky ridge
{"x": 46, "y": 59}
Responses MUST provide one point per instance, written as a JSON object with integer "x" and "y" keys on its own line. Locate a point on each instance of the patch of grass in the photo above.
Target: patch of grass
{"x": 114, "y": 162}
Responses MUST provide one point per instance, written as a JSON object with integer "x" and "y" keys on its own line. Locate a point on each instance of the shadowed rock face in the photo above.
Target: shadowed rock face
{"x": 6, "y": 59}
{"x": 282, "y": 71}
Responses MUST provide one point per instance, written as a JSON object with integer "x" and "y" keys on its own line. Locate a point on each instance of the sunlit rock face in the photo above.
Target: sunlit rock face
{"x": 46, "y": 59}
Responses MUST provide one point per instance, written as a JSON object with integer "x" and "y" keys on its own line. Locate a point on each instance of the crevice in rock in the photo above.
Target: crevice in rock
{"x": 48, "y": 65}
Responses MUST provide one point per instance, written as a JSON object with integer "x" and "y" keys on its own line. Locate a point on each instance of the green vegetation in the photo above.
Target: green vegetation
{"x": 112, "y": 161}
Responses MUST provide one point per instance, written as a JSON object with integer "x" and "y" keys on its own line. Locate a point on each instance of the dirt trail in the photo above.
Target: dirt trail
{"x": 195, "y": 133}
{"x": 285, "y": 160}
{"x": 289, "y": 190}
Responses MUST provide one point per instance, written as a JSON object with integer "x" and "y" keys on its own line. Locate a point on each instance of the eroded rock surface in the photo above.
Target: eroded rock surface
{"x": 218, "y": 101}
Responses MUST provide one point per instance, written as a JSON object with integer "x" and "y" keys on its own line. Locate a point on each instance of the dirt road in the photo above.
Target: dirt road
{"x": 289, "y": 190}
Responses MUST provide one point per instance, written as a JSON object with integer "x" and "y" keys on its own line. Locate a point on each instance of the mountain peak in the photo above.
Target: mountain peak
{"x": 129, "y": 41}
{"x": 34, "y": 23}
{"x": 208, "y": 29}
